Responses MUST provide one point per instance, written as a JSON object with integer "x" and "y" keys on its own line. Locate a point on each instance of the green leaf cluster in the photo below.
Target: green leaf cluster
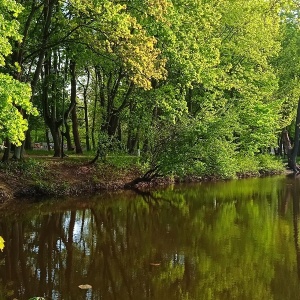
{"x": 14, "y": 95}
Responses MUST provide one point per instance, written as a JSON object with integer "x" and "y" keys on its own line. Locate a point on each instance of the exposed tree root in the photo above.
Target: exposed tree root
{"x": 147, "y": 177}
{"x": 296, "y": 169}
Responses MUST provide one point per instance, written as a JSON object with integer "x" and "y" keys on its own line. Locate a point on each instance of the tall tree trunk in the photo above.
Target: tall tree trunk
{"x": 86, "y": 117}
{"x": 113, "y": 123}
{"x": 28, "y": 140}
{"x": 48, "y": 13}
{"x": 7, "y": 145}
{"x": 132, "y": 141}
{"x": 94, "y": 123}
{"x": 290, "y": 150}
{"x": 18, "y": 152}
{"x": 56, "y": 135}
{"x": 50, "y": 110}
{"x": 47, "y": 139}
{"x": 296, "y": 138}
{"x": 77, "y": 143}
{"x": 67, "y": 135}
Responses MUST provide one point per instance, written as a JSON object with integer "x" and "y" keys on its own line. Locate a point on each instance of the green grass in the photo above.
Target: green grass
{"x": 118, "y": 160}
{"x": 122, "y": 161}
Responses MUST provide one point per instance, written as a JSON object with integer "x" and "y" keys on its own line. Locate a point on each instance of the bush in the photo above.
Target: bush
{"x": 247, "y": 164}
{"x": 270, "y": 163}
{"x": 220, "y": 159}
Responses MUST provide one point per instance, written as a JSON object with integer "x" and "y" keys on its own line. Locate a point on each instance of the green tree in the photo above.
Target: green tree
{"x": 14, "y": 95}
{"x": 218, "y": 103}
{"x": 288, "y": 68}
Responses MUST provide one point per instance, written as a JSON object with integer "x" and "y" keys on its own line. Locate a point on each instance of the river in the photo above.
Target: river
{"x": 226, "y": 240}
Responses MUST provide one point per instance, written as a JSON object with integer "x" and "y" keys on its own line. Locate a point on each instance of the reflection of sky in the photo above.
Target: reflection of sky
{"x": 178, "y": 259}
{"x": 82, "y": 231}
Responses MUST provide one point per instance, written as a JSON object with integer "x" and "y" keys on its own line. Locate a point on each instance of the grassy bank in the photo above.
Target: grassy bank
{"x": 40, "y": 174}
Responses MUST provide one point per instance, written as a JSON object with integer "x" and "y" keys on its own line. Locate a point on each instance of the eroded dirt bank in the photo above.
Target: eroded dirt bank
{"x": 61, "y": 178}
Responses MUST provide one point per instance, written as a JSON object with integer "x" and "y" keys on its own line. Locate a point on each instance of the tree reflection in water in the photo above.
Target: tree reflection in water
{"x": 230, "y": 240}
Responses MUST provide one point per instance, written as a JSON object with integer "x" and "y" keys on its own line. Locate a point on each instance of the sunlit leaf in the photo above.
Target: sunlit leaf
{"x": 1, "y": 243}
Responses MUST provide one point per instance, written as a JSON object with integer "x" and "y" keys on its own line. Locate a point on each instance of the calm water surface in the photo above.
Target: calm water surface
{"x": 228, "y": 240}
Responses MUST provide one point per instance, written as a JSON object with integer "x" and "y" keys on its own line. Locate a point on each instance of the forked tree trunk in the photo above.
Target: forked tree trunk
{"x": 56, "y": 135}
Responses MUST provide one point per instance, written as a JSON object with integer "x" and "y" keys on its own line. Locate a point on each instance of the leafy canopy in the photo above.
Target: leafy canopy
{"x": 14, "y": 95}
{"x": 116, "y": 35}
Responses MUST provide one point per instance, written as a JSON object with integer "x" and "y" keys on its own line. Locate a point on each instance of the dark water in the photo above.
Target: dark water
{"x": 228, "y": 240}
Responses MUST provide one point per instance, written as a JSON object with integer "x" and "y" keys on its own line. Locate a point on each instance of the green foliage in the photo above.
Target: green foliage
{"x": 106, "y": 144}
{"x": 247, "y": 164}
{"x": 258, "y": 164}
{"x": 48, "y": 188}
{"x": 122, "y": 161}
{"x": 117, "y": 34}
{"x": 270, "y": 163}
{"x": 191, "y": 148}
{"x": 30, "y": 168}
{"x": 226, "y": 83}
{"x": 287, "y": 63}
{"x": 221, "y": 162}
{"x": 190, "y": 42}
{"x": 199, "y": 83}
{"x": 14, "y": 95}
{"x": 9, "y": 10}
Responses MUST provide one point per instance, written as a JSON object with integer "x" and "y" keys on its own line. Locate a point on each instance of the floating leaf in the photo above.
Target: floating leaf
{"x": 155, "y": 264}
{"x": 1, "y": 243}
{"x": 85, "y": 286}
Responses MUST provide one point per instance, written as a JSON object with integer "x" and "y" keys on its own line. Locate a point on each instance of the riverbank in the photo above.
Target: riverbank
{"x": 47, "y": 176}
{"x": 57, "y": 177}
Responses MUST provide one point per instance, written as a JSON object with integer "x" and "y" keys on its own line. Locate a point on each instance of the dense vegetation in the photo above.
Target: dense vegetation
{"x": 202, "y": 88}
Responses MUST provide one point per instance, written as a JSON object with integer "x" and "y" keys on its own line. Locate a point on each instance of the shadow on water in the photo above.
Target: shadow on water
{"x": 225, "y": 240}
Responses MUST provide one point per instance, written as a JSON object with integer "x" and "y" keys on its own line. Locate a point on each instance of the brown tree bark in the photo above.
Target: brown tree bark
{"x": 292, "y": 150}
{"x": 7, "y": 145}
{"x": 77, "y": 143}
{"x": 86, "y": 117}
